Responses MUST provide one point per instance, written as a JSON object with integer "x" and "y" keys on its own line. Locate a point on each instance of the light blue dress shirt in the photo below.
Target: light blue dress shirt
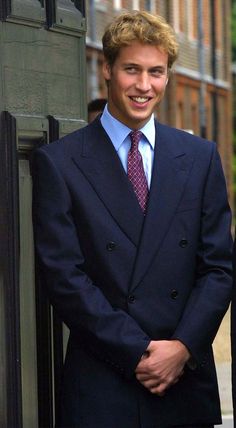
{"x": 119, "y": 135}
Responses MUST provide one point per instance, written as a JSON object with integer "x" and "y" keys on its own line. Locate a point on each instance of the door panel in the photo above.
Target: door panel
{"x": 27, "y": 301}
{"x": 43, "y": 96}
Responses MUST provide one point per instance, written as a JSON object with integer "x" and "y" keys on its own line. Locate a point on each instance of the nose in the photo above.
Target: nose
{"x": 143, "y": 83}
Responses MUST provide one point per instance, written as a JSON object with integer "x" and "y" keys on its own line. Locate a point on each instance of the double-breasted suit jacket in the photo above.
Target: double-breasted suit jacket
{"x": 118, "y": 279}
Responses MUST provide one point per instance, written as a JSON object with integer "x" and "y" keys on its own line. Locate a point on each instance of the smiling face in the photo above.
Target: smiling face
{"x": 136, "y": 83}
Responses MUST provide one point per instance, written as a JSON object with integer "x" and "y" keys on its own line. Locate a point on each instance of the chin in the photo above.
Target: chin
{"x": 142, "y": 119}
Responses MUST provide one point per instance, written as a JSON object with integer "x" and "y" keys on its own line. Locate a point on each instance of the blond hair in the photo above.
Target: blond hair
{"x": 140, "y": 26}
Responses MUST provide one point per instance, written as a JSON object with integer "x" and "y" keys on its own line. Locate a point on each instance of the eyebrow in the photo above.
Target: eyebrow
{"x": 136, "y": 65}
{"x": 130, "y": 64}
{"x": 158, "y": 67}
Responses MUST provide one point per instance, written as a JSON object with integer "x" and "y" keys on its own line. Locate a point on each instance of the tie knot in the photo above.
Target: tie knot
{"x": 135, "y": 137}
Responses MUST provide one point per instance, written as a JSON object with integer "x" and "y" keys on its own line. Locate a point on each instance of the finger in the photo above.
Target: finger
{"x": 145, "y": 355}
{"x": 143, "y": 377}
{"x": 159, "y": 390}
{"x": 142, "y": 366}
{"x": 142, "y": 373}
{"x": 139, "y": 367}
{"x": 149, "y": 384}
{"x": 178, "y": 377}
{"x": 150, "y": 377}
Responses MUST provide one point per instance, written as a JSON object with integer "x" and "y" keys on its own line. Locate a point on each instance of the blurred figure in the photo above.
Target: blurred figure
{"x": 95, "y": 107}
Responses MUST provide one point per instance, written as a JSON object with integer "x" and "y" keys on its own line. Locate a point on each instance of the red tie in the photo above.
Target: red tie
{"x": 136, "y": 172}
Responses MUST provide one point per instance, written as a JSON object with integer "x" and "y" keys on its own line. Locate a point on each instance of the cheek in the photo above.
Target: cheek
{"x": 160, "y": 89}
{"x": 161, "y": 85}
{"x": 118, "y": 90}
{"x": 124, "y": 82}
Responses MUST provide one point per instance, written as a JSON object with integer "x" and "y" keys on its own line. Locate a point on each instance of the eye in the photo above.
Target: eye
{"x": 157, "y": 72}
{"x": 131, "y": 70}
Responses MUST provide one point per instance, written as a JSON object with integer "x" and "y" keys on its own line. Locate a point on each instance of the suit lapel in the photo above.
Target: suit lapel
{"x": 101, "y": 165}
{"x": 170, "y": 171}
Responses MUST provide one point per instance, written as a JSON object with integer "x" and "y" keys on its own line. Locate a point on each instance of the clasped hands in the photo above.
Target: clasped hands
{"x": 162, "y": 365}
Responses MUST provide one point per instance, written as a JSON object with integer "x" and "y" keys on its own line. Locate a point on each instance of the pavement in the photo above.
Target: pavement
{"x": 224, "y": 378}
{"x": 227, "y": 422}
{"x": 223, "y": 367}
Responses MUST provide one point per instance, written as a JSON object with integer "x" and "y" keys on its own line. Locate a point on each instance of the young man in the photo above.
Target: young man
{"x": 132, "y": 232}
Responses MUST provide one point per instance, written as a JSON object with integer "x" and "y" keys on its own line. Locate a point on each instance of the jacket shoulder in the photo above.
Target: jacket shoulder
{"x": 188, "y": 140}
{"x": 73, "y": 142}
{"x": 66, "y": 144}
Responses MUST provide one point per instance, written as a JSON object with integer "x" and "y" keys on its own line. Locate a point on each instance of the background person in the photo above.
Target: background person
{"x": 95, "y": 107}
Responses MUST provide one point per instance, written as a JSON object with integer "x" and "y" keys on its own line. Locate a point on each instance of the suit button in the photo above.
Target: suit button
{"x": 131, "y": 299}
{"x": 110, "y": 246}
{"x": 174, "y": 294}
{"x": 183, "y": 243}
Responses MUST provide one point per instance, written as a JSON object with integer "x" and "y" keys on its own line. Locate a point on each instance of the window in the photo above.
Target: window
{"x": 150, "y": 5}
{"x": 101, "y": 5}
{"x": 192, "y": 20}
{"x": 179, "y": 15}
{"x": 135, "y": 5}
{"x": 118, "y": 4}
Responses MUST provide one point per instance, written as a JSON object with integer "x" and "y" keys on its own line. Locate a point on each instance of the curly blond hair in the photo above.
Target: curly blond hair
{"x": 140, "y": 26}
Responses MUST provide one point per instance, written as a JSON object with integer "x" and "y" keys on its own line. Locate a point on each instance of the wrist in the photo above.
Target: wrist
{"x": 184, "y": 350}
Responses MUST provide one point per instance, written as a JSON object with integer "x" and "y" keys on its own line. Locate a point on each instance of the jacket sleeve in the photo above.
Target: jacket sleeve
{"x": 211, "y": 294}
{"x": 110, "y": 333}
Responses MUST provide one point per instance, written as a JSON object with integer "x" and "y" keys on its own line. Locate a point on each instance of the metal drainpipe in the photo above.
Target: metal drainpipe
{"x": 94, "y": 59}
{"x": 169, "y": 102}
{"x": 148, "y": 5}
{"x": 214, "y": 73}
{"x": 202, "y": 109}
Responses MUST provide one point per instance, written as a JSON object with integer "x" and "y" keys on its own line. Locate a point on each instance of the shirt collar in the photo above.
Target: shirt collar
{"x": 118, "y": 132}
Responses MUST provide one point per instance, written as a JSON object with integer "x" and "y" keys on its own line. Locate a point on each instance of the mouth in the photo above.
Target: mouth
{"x": 140, "y": 100}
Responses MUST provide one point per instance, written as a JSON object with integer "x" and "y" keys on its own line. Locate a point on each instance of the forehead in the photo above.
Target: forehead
{"x": 140, "y": 53}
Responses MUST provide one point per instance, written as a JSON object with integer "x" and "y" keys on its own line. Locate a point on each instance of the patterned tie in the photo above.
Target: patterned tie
{"x": 136, "y": 172}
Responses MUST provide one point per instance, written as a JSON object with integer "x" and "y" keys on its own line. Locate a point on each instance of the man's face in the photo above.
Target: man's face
{"x": 136, "y": 83}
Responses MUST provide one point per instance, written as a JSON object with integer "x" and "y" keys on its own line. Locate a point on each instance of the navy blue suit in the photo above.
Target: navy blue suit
{"x": 118, "y": 280}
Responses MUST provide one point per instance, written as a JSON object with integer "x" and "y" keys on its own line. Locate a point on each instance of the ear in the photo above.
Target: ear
{"x": 106, "y": 69}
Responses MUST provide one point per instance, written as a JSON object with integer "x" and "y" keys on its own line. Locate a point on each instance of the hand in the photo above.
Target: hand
{"x": 162, "y": 365}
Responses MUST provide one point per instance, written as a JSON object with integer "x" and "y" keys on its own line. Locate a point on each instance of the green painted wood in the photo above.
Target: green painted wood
{"x": 27, "y": 301}
{"x": 30, "y": 12}
{"x": 43, "y": 91}
{"x": 3, "y": 357}
{"x": 67, "y": 18}
{"x": 43, "y": 72}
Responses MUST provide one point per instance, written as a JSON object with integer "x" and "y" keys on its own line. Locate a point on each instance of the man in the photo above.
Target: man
{"x": 132, "y": 231}
{"x": 95, "y": 107}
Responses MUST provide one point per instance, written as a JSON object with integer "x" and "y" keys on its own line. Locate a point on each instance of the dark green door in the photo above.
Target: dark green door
{"x": 42, "y": 96}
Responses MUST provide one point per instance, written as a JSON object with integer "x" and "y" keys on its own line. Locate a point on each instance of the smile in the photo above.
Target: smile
{"x": 140, "y": 100}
